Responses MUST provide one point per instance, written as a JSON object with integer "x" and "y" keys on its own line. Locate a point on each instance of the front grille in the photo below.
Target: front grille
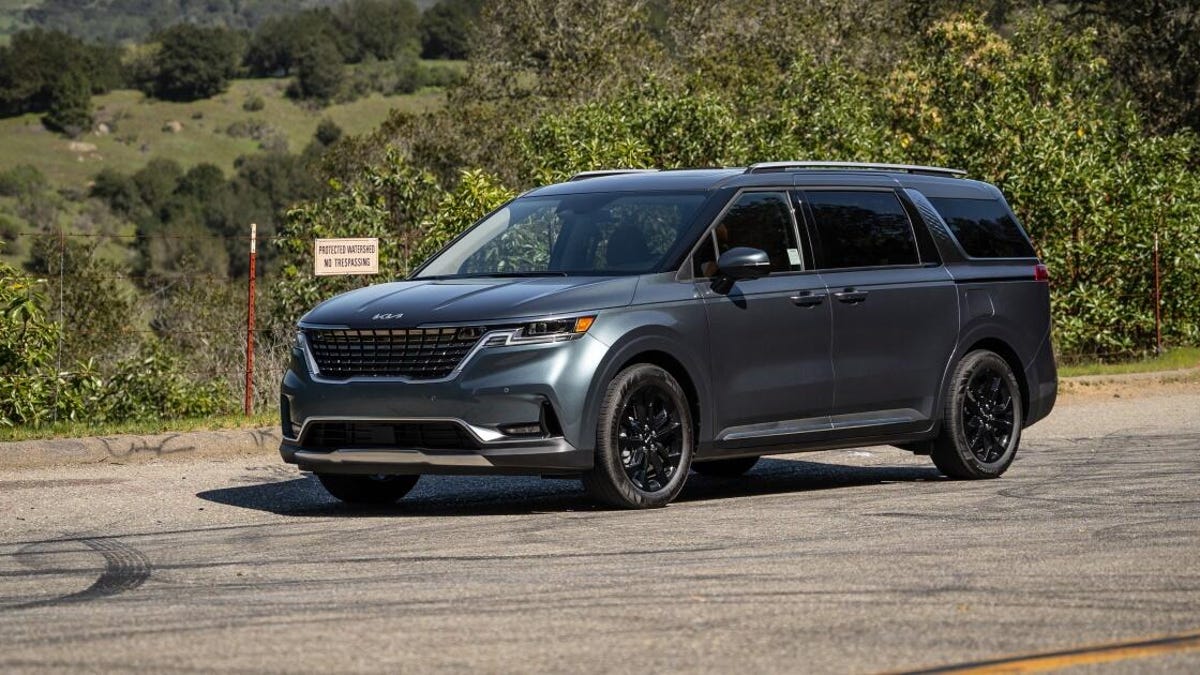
{"x": 425, "y": 435}
{"x": 417, "y": 353}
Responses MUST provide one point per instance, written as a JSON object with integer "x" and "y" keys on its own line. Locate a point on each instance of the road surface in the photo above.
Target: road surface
{"x": 849, "y": 561}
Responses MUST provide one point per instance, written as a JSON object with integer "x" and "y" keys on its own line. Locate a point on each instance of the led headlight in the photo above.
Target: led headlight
{"x": 552, "y": 330}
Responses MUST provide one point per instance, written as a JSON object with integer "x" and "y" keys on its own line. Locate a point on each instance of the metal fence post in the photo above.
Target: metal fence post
{"x": 1158, "y": 346}
{"x": 62, "y": 259}
{"x": 249, "y": 403}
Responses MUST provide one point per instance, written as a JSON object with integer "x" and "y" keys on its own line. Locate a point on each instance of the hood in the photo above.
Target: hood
{"x": 409, "y": 304}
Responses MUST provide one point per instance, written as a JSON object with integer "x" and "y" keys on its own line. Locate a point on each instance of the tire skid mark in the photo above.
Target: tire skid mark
{"x": 125, "y": 569}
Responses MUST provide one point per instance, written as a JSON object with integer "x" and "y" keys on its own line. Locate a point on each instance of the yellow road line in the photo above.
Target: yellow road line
{"x": 1105, "y": 653}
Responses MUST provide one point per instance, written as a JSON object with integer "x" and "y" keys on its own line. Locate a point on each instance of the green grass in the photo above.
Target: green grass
{"x": 138, "y": 135}
{"x": 80, "y": 429}
{"x": 1174, "y": 359}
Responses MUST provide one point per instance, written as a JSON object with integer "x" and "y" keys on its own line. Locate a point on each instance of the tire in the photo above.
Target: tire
{"x": 725, "y": 468}
{"x": 982, "y": 418}
{"x": 644, "y": 440}
{"x": 367, "y": 490}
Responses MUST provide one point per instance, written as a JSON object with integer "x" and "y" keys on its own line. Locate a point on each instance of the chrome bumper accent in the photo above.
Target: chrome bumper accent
{"x": 352, "y": 456}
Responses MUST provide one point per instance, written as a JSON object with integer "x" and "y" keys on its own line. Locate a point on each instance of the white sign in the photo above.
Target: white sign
{"x": 345, "y": 256}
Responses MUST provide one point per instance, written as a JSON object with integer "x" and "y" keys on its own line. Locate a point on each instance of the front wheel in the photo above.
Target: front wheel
{"x": 643, "y": 440}
{"x": 981, "y": 424}
{"x": 367, "y": 490}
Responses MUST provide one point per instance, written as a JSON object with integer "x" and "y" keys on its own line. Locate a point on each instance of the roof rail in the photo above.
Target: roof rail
{"x": 584, "y": 175}
{"x": 766, "y": 167}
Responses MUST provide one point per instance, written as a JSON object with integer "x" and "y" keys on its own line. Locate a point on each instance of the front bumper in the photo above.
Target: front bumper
{"x": 542, "y": 456}
{"x": 495, "y": 388}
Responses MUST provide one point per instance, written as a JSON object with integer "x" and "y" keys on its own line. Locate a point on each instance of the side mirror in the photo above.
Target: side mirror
{"x": 744, "y": 262}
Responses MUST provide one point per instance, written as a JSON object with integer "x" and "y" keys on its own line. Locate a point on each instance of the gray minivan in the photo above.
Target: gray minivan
{"x": 628, "y": 327}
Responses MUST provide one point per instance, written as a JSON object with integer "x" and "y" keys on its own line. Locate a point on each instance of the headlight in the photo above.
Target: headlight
{"x": 553, "y": 330}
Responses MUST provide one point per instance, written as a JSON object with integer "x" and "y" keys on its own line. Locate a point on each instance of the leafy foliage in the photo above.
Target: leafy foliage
{"x": 195, "y": 62}
{"x": 447, "y": 28}
{"x": 36, "y": 386}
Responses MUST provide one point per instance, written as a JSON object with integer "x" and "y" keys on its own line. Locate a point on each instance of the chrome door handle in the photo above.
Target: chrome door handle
{"x": 808, "y": 299}
{"x": 851, "y": 296}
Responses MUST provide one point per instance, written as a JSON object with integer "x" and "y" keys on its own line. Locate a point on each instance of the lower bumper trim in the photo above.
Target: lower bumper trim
{"x": 546, "y": 456}
{"x": 354, "y": 456}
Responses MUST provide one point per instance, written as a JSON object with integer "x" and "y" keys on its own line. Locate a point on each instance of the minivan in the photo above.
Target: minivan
{"x": 628, "y": 327}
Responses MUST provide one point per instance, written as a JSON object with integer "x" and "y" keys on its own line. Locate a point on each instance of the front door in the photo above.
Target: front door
{"x": 771, "y": 368}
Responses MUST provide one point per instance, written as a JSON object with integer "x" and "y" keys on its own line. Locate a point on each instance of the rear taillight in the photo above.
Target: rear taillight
{"x": 1041, "y": 272}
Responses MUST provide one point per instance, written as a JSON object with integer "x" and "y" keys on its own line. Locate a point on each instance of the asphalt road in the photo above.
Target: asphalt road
{"x": 858, "y": 561}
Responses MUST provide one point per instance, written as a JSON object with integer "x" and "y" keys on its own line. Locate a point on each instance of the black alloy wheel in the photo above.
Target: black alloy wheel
{"x": 981, "y": 418}
{"x": 649, "y": 437}
{"x": 644, "y": 440}
{"x": 987, "y": 412}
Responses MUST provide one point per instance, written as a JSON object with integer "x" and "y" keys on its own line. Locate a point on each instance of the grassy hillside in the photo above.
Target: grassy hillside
{"x": 138, "y": 130}
{"x": 126, "y": 20}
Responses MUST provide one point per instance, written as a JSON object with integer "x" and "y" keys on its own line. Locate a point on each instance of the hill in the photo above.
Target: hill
{"x": 134, "y": 20}
{"x": 216, "y": 130}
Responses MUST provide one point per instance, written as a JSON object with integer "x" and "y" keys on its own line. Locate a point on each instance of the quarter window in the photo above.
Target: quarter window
{"x": 862, "y": 229}
{"x": 984, "y": 227}
{"x": 761, "y": 220}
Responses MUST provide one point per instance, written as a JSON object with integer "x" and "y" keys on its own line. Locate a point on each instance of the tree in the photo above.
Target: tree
{"x": 70, "y": 109}
{"x": 447, "y": 27}
{"x": 279, "y": 42}
{"x": 1152, "y": 48}
{"x": 195, "y": 62}
{"x": 380, "y": 28}
{"x": 33, "y": 66}
{"x": 320, "y": 71}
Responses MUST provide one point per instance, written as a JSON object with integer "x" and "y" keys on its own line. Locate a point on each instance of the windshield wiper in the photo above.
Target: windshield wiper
{"x": 545, "y": 273}
{"x": 485, "y": 275}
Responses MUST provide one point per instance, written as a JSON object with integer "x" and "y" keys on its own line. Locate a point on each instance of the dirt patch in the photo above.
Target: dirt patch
{"x": 1091, "y": 388}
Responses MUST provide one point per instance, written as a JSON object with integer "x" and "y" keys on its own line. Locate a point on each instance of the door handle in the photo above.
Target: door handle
{"x": 808, "y": 299}
{"x": 851, "y": 296}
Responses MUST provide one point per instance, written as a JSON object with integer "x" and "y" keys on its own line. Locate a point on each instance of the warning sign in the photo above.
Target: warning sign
{"x": 345, "y": 256}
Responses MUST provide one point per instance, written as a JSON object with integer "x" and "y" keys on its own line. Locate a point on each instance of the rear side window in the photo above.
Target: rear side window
{"x": 984, "y": 227}
{"x": 862, "y": 229}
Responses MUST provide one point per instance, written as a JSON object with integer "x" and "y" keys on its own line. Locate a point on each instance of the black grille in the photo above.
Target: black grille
{"x": 418, "y": 353}
{"x": 429, "y": 435}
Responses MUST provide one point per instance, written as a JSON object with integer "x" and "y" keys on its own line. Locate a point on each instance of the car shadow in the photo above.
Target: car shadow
{"x": 517, "y": 495}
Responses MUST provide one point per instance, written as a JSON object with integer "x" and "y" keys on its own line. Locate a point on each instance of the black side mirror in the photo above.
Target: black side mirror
{"x": 743, "y": 262}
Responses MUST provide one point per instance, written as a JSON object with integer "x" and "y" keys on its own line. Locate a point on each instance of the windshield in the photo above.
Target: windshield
{"x": 593, "y": 233}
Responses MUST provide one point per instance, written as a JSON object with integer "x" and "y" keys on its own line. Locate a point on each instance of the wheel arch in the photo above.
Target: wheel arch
{"x": 1006, "y": 352}
{"x": 660, "y": 351}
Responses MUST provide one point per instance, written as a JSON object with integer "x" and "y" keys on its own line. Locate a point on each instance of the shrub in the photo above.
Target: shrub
{"x": 253, "y": 103}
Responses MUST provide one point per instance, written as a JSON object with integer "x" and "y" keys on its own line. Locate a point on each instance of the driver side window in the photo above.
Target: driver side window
{"x": 761, "y": 220}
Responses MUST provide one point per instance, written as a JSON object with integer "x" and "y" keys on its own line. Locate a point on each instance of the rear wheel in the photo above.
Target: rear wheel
{"x": 367, "y": 490}
{"x": 725, "y": 468}
{"x": 643, "y": 440}
{"x": 981, "y": 424}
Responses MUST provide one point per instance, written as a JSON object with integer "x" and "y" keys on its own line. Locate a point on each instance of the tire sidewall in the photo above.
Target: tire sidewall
{"x": 608, "y": 454}
{"x": 967, "y": 369}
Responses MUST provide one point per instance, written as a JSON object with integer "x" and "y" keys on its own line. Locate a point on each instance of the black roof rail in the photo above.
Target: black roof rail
{"x": 584, "y": 175}
{"x": 767, "y": 167}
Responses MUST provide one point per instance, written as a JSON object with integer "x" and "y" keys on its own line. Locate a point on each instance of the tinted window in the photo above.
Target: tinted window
{"x": 862, "y": 229}
{"x": 761, "y": 220}
{"x": 984, "y": 227}
{"x": 588, "y": 233}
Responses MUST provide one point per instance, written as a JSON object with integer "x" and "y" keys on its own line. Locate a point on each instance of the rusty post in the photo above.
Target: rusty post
{"x": 1158, "y": 347}
{"x": 249, "y": 404}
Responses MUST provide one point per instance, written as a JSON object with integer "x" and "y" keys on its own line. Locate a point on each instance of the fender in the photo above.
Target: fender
{"x": 977, "y": 330}
{"x": 651, "y": 338}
